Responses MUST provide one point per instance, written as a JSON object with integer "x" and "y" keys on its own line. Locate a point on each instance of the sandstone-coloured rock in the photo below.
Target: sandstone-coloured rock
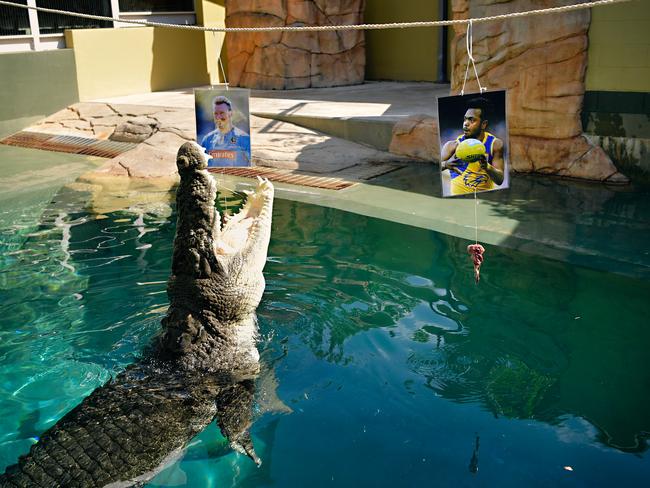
{"x": 416, "y": 136}
{"x": 103, "y": 127}
{"x": 273, "y": 8}
{"x": 541, "y": 62}
{"x": 166, "y": 141}
{"x": 574, "y": 157}
{"x": 108, "y": 121}
{"x": 129, "y": 110}
{"x": 92, "y": 110}
{"x": 64, "y": 115}
{"x": 294, "y": 59}
{"x": 302, "y": 12}
{"x": 337, "y": 69}
{"x": 180, "y": 121}
{"x": 136, "y": 129}
{"x": 103, "y": 132}
{"x": 142, "y": 162}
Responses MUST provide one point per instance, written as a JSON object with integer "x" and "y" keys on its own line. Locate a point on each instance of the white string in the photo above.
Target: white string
{"x": 231, "y": 190}
{"x": 223, "y": 72}
{"x": 225, "y": 81}
{"x": 312, "y": 28}
{"x": 476, "y": 215}
{"x": 219, "y": 62}
{"x": 468, "y": 45}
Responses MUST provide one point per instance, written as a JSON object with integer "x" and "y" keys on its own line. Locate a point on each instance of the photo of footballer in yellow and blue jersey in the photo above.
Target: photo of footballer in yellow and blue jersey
{"x": 474, "y": 159}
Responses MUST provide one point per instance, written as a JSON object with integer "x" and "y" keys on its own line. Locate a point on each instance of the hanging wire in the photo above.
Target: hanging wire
{"x": 223, "y": 72}
{"x": 219, "y": 62}
{"x": 225, "y": 81}
{"x": 470, "y": 58}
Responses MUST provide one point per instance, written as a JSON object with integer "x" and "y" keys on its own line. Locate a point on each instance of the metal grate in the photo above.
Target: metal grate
{"x": 284, "y": 176}
{"x": 68, "y": 144}
{"x": 26, "y": 139}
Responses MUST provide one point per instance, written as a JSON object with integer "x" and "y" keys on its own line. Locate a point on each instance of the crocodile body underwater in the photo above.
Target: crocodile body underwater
{"x": 202, "y": 366}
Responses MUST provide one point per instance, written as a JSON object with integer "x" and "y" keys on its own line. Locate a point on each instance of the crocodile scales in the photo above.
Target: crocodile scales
{"x": 202, "y": 366}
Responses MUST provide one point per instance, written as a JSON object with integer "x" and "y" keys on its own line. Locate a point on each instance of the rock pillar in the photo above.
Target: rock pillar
{"x": 285, "y": 60}
{"x": 541, "y": 60}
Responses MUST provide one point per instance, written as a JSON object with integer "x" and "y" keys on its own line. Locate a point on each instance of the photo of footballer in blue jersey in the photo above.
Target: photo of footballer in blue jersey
{"x": 473, "y": 157}
{"x": 227, "y": 143}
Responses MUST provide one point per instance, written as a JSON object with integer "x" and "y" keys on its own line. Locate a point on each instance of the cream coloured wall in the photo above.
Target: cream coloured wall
{"x": 113, "y": 62}
{"x": 212, "y": 13}
{"x": 619, "y": 48}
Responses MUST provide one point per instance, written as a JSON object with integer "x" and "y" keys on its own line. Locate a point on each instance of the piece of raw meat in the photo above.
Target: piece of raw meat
{"x": 476, "y": 251}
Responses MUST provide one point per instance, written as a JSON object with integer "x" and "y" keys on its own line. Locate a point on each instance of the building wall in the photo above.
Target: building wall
{"x": 401, "y": 54}
{"x": 619, "y": 48}
{"x": 212, "y": 13}
{"x": 36, "y": 83}
{"x": 113, "y": 62}
{"x": 615, "y": 113}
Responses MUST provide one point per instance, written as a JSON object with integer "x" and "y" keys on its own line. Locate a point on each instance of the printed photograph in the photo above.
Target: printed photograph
{"x": 223, "y": 125}
{"x": 474, "y": 143}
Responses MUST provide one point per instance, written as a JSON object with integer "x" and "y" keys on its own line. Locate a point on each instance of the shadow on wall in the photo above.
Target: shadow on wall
{"x": 178, "y": 59}
{"x": 50, "y": 74}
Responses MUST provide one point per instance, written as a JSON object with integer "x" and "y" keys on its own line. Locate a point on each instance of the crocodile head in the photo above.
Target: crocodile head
{"x": 216, "y": 281}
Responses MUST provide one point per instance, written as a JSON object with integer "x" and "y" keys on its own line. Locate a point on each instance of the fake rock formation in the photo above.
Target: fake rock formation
{"x": 286, "y": 60}
{"x": 541, "y": 61}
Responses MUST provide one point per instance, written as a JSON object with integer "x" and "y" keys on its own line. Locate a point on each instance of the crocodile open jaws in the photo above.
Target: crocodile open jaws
{"x": 202, "y": 365}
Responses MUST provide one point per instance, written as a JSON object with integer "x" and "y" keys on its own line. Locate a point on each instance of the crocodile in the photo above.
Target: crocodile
{"x": 201, "y": 366}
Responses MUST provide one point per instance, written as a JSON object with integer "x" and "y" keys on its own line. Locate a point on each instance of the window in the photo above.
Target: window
{"x": 14, "y": 21}
{"x": 156, "y": 5}
{"x": 50, "y": 23}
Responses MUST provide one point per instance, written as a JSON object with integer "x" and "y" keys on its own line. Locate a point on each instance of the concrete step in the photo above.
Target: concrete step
{"x": 375, "y": 132}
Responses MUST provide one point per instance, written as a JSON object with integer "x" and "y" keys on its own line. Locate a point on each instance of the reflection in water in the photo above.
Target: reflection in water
{"x": 473, "y": 462}
{"x": 75, "y": 312}
{"x": 385, "y": 351}
{"x": 536, "y": 339}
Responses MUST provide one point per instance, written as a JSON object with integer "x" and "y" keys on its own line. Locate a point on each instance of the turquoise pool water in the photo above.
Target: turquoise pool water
{"x": 387, "y": 365}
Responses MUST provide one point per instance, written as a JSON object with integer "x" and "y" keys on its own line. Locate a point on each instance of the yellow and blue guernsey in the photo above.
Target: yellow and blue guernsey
{"x": 230, "y": 149}
{"x": 472, "y": 178}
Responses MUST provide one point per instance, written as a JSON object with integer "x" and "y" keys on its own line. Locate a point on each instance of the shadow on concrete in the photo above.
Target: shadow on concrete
{"x": 176, "y": 60}
{"x": 402, "y": 98}
{"x": 289, "y": 146}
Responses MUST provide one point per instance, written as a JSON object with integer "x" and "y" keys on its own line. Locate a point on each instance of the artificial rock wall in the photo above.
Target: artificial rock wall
{"x": 541, "y": 61}
{"x": 286, "y": 60}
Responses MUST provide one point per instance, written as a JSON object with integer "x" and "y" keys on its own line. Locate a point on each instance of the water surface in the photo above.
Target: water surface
{"x": 387, "y": 365}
